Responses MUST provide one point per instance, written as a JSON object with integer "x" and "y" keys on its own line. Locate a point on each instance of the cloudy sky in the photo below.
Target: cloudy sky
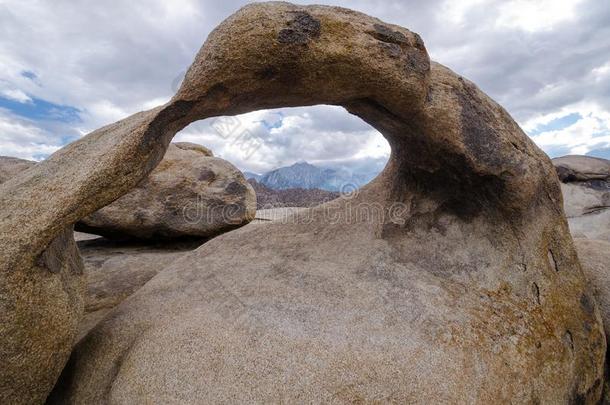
{"x": 69, "y": 67}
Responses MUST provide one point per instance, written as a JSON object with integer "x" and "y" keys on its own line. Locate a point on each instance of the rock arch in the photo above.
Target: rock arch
{"x": 458, "y": 301}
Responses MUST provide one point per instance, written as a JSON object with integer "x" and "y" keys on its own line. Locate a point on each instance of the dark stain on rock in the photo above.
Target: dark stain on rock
{"x": 419, "y": 43}
{"x": 301, "y": 29}
{"x": 568, "y": 340}
{"x": 267, "y": 73}
{"x": 61, "y": 252}
{"x": 385, "y": 34}
{"x": 480, "y": 136}
{"x": 568, "y": 175}
{"x": 593, "y": 392}
{"x": 49, "y": 261}
{"x": 536, "y": 293}
{"x": 417, "y": 61}
{"x": 599, "y": 185}
{"x": 483, "y": 145}
{"x": 395, "y": 51}
{"x": 457, "y": 186}
{"x": 430, "y": 95}
{"x": 235, "y": 188}
{"x": 552, "y": 261}
{"x": 586, "y": 303}
{"x": 565, "y": 174}
{"x": 578, "y": 398}
{"x": 206, "y": 175}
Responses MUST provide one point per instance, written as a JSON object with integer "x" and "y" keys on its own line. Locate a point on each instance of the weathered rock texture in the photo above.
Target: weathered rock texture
{"x": 451, "y": 277}
{"x": 586, "y": 195}
{"x": 10, "y": 167}
{"x": 595, "y": 258}
{"x": 115, "y": 270}
{"x": 189, "y": 194}
{"x": 468, "y": 291}
{"x": 40, "y": 309}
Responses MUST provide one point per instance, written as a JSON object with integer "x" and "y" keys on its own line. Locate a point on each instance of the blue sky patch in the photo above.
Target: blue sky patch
{"x": 601, "y": 152}
{"x": 556, "y": 150}
{"x": 39, "y": 109}
{"x": 557, "y": 124}
{"x": 29, "y": 74}
{"x": 274, "y": 124}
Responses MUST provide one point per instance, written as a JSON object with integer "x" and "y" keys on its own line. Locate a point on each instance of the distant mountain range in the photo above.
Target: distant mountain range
{"x": 250, "y": 175}
{"x": 307, "y": 176}
{"x": 291, "y": 197}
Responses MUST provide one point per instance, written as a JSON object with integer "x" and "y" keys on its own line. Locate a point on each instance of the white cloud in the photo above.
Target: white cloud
{"x": 16, "y": 95}
{"x": 591, "y": 130}
{"x": 601, "y": 72}
{"x": 536, "y": 15}
{"x": 456, "y": 12}
{"x": 23, "y": 139}
{"x": 104, "y": 111}
{"x": 155, "y": 102}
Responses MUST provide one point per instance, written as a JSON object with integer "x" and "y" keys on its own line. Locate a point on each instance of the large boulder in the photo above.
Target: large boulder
{"x": 451, "y": 277}
{"x": 582, "y": 168}
{"x": 189, "y": 194}
{"x": 11, "y": 166}
{"x": 586, "y": 195}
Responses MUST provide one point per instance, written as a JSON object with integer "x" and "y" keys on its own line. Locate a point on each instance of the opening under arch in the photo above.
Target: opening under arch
{"x": 319, "y": 147}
